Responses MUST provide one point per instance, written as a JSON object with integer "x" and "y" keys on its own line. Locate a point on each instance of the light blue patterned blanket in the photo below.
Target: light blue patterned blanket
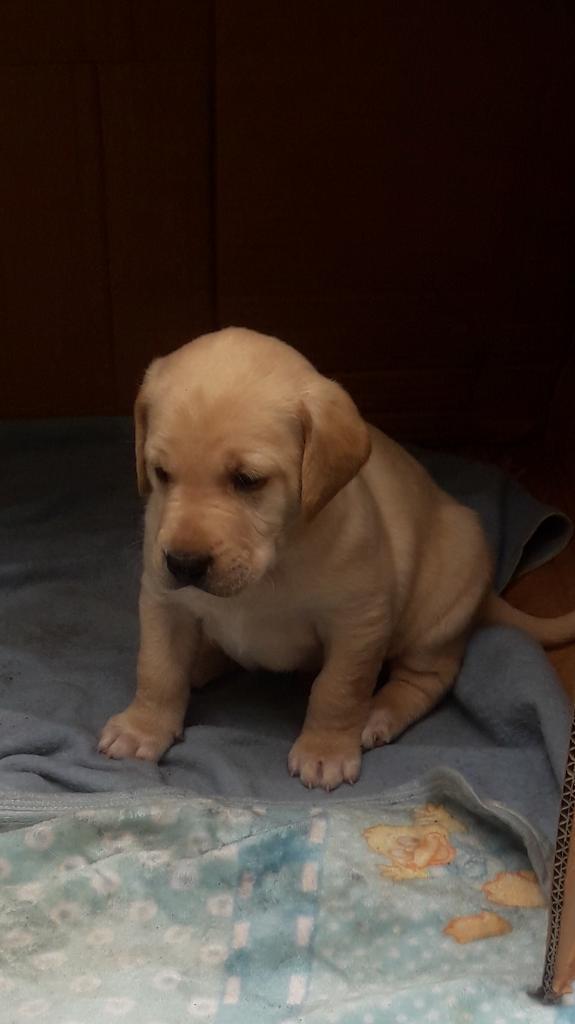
{"x": 172, "y": 910}
{"x": 183, "y": 891}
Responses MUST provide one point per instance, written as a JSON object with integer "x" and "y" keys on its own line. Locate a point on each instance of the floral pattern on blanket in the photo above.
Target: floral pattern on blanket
{"x": 201, "y": 910}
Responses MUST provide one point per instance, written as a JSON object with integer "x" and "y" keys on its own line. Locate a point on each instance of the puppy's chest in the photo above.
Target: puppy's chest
{"x": 277, "y": 639}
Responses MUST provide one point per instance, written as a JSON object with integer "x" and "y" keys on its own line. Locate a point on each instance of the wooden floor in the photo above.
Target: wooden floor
{"x": 550, "y": 590}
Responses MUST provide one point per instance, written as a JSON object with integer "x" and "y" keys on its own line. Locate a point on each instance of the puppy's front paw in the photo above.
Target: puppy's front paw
{"x": 379, "y": 730}
{"x": 139, "y": 734}
{"x": 325, "y": 759}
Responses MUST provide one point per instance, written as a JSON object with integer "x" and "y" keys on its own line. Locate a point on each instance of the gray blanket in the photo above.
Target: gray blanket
{"x": 70, "y": 531}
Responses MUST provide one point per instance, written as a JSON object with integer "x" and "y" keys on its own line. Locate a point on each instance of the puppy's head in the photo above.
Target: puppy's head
{"x": 238, "y": 441}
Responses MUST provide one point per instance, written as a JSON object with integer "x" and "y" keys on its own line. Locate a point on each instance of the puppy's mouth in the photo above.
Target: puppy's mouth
{"x": 225, "y": 589}
{"x": 220, "y": 590}
{"x": 211, "y": 584}
{"x": 188, "y": 572}
{"x": 172, "y": 584}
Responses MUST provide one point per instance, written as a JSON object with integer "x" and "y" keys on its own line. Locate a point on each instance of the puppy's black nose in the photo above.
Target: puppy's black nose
{"x": 188, "y": 570}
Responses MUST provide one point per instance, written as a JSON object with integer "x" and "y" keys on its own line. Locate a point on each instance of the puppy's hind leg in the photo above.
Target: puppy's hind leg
{"x": 418, "y": 682}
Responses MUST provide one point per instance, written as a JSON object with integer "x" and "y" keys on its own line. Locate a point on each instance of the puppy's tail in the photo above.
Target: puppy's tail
{"x": 549, "y": 632}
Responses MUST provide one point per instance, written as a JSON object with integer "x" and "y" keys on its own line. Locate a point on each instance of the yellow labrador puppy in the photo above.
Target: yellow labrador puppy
{"x": 284, "y": 532}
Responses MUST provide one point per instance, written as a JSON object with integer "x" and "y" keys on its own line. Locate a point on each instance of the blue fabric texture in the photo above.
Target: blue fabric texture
{"x": 70, "y": 533}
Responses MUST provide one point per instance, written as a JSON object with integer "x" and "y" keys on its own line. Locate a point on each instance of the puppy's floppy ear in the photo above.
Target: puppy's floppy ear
{"x": 336, "y": 444}
{"x": 141, "y": 428}
{"x": 141, "y": 415}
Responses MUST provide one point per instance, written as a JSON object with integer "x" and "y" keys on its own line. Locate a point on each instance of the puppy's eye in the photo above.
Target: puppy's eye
{"x": 162, "y": 474}
{"x": 245, "y": 482}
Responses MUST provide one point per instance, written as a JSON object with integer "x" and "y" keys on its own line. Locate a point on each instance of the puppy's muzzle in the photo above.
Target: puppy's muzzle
{"x": 187, "y": 569}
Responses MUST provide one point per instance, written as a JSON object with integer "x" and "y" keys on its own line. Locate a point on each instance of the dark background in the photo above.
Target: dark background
{"x": 389, "y": 186}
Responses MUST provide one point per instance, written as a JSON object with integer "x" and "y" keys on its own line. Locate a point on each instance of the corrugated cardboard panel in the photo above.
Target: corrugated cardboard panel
{"x": 559, "y": 967}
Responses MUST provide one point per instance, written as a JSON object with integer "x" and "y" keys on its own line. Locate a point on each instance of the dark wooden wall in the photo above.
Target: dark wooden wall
{"x": 387, "y": 185}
